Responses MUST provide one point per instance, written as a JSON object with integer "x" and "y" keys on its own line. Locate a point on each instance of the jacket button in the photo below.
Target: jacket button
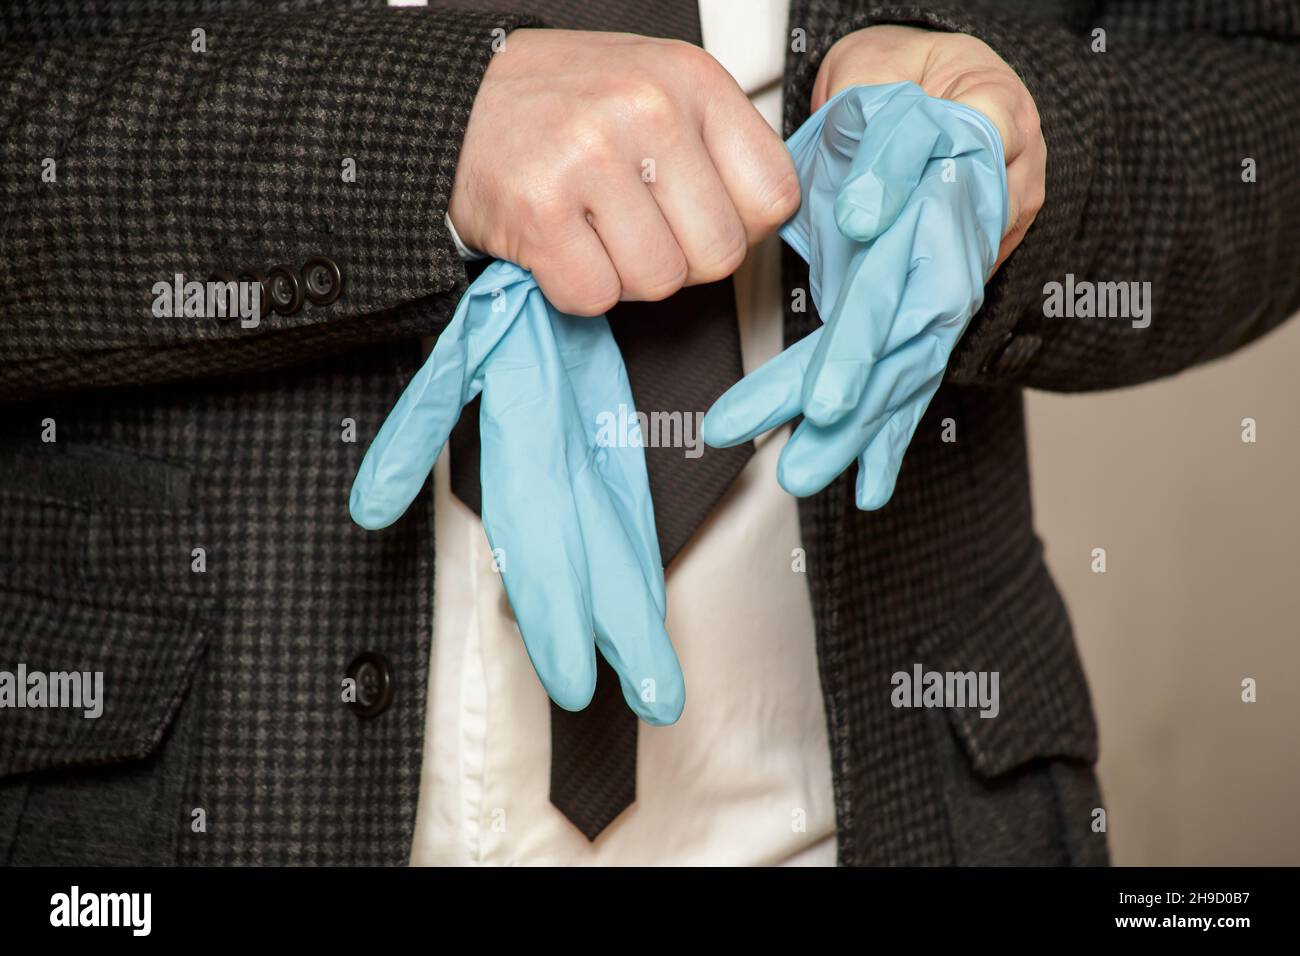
{"x": 228, "y": 315}
{"x": 284, "y": 289}
{"x": 256, "y": 275}
{"x": 323, "y": 279}
{"x": 373, "y": 677}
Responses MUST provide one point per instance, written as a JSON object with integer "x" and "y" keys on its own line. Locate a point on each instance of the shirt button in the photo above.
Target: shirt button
{"x": 373, "y": 678}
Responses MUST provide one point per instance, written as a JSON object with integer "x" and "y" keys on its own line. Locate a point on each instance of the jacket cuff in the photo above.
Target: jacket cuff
{"x": 407, "y": 143}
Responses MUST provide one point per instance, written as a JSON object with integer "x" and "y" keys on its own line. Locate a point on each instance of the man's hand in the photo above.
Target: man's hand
{"x": 952, "y": 66}
{"x": 616, "y": 167}
{"x": 905, "y": 201}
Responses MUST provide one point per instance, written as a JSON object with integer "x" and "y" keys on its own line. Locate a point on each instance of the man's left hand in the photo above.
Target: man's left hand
{"x": 952, "y": 66}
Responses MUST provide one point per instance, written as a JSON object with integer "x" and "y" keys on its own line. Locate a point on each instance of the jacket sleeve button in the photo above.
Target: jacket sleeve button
{"x": 257, "y": 275}
{"x": 225, "y": 315}
{"x": 323, "y": 279}
{"x": 284, "y": 289}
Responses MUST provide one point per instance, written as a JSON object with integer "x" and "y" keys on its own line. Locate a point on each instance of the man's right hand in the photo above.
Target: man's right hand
{"x": 616, "y": 167}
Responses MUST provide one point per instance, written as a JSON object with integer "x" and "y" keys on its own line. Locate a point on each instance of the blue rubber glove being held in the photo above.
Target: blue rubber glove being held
{"x": 904, "y": 206}
{"x": 569, "y": 519}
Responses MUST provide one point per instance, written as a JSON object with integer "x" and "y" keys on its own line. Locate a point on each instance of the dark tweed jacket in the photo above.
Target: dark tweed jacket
{"x": 223, "y": 686}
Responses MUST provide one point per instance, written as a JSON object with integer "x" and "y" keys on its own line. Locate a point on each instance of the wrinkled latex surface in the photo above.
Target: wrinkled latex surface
{"x": 904, "y": 207}
{"x": 570, "y": 521}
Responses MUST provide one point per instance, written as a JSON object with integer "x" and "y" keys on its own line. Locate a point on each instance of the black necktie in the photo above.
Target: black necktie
{"x": 681, "y": 354}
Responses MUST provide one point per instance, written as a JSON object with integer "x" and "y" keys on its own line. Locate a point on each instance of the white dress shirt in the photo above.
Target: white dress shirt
{"x": 744, "y": 777}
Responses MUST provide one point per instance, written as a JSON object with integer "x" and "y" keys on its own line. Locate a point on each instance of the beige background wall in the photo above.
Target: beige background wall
{"x": 1202, "y": 589}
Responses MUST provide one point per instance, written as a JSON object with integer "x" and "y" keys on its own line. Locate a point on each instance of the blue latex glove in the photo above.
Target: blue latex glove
{"x": 572, "y": 521}
{"x": 904, "y": 207}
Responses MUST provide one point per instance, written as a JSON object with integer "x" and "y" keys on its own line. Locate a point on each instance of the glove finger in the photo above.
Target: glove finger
{"x": 767, "y": 397}
{"x": 526, "y": 424}
{"x": 411, "y": 438}
{"x": 629, "y": 621}
{"x": 611, "y": 489}
{"x": 824, "y": 149}
{"x": 933, "y": 261}
{"x": 857, "y": 327}
{"x": 603, "y": 397}
{"x": 895, "y": 146}
{"x": 399, "y": 459}
{"x": 879, "y": 464}
{"x": 815, "y": 455}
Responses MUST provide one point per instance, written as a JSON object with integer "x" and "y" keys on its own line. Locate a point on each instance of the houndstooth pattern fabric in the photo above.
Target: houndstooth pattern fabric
{"x": 170, "y": 160}
{"x": 1145, "y": 145}
{"x": 232, "y": 441}
{"x": 226, "y": 698}
{"x": 1138, "y": 137}
{"x": 282, "y": 768}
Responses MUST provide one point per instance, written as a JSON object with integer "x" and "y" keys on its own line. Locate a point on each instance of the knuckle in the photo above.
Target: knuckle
{"x": 722, "y": 257}
{"x": 574, "y": 303}
{"x": 683, "y": 56}
{"x": 587, "y": 140}
{"x": 541, "y": 210}
{"x": 782, "y": 199}
{"x": 659, "y": 284}
{"x": 599, "y": 302}
{"x": 648, "y": 104}
{"x": 1034, "y": 202}
{"x": 594, "y": 296}
{"x": 1027, "y": 118}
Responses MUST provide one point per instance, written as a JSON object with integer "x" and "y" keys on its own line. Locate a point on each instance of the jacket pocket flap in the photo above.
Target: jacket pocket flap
{"x": 91, "y": 676}
{"x": 1041, "y": 708}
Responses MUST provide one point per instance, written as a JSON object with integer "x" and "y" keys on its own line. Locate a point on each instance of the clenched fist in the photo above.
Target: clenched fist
{"x": 615, "y": 166}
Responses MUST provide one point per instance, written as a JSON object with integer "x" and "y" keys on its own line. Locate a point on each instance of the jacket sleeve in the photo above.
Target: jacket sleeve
{"x": 134, "y": 151}
{"x": 1151, "y": 149}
